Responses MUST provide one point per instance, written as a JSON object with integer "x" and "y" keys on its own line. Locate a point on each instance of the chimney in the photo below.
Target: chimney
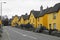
{"x": 26, "y": 14}
{"x": 41, "y": 9}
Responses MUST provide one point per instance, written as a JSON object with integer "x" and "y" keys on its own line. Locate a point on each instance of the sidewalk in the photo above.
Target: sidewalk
{"x": 54, "y": 33}
{"x": 4, "y": 36}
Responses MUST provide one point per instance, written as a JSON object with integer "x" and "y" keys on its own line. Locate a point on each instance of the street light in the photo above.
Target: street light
{"x": 1, "y": 8}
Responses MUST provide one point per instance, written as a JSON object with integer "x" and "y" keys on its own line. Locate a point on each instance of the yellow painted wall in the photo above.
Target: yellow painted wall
{"x": 51, "y": 20}
{"x": 0, "y": 22}
{"x": 14, "y": 21}
{"x": 22, "y": 21}
{"x": 13, "y": 24}
{"x": 32, "y": 20}
{"x": 19, "y": 23}
{"x": 45, "y": 20}
{"x": 58, "y": 20}
{"x": 39, "y": 21}
{"x": 26, "y": 21}
{"x": 48, "y": 19}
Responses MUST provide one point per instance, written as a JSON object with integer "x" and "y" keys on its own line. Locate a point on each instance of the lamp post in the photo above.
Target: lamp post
{"x": 1, "y": 8}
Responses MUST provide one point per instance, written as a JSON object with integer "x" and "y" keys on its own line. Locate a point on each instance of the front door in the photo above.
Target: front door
{"x": 50, "y": 26}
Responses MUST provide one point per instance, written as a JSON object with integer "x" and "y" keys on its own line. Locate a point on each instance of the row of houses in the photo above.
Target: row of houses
{"x": 49, "y": 18}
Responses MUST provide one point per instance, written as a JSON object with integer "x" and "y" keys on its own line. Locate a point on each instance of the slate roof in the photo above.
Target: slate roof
{"x": 55, "y": 8}
{"x": 25, "y": 17}
{"x": 35, "y": 13}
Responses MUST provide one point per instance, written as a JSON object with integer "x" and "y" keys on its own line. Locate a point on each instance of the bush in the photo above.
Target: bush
{"x": 26, "y": 26}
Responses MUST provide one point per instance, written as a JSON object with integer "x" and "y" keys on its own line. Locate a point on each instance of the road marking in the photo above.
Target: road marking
{"x": 24, "y": 34}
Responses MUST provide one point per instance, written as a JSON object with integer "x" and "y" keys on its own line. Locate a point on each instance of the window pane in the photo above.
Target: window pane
{"x": 54, "y": 25}
{"x": 54, "y": 15}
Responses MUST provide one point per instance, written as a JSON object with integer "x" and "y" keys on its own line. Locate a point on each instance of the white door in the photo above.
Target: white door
{"x": 54, "y": 25}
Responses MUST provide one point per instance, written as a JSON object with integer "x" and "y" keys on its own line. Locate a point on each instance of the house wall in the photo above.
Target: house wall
{"x": 32, "y": 20}
{"x": 41, "y": 20}
{"x": 22, "y": 21}
{"x": 37, "y": 22}
{"x": 0, "y": 22}
{"x": 14, "y": 21}
{"x": 26, "y": 21}
{"x": 13, "y": 24}
{"x": 51, "y": 20}
{"x": 58, "y": 20}
{"x": 19, "y": 23}
{"x": 45, "y": 20}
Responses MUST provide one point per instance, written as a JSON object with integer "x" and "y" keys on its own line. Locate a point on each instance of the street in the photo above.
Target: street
{"x": 11, "y": 33}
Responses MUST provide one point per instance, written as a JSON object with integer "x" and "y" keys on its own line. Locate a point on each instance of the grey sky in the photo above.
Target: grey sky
{"x": 19, "y": 7}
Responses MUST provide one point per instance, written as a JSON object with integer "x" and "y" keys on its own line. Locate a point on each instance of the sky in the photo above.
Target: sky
{"x": 20, "y": 7}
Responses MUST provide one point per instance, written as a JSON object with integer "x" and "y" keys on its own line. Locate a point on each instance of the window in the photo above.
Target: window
{"x": 50, "y": 26}
{"x": 54, "y": 25}
{"x": 54, "y": 15}
{"x": 40, "y": 25}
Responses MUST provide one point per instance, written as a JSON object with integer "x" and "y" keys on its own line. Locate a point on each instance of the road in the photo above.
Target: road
{"x": 11, "y": 33}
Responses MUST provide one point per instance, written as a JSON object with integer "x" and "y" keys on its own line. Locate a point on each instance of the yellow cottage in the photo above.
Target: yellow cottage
{"x": 26, "y": 18}
{"x": 51, "y": 17}
{"x": 33, "y": 18}
{"x": 14, "y": 20}
{"x": 54, "y": 17}
{"x": 23, "y": 19}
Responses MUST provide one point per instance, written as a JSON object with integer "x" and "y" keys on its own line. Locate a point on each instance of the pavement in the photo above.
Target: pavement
{"x": 11, "y": 33}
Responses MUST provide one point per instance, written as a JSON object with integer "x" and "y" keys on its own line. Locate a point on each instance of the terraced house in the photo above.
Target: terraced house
{"x": 51, "y": 17}
{"x": 23, "y": 19}
{"x": 48, "y": 18}
{"x": 14, "y": 21}
{"x": 33, "y": 17}
{"x": 36, "y": 17}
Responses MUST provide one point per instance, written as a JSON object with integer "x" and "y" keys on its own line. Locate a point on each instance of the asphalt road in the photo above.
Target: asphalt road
{"x": 10, "y": 33}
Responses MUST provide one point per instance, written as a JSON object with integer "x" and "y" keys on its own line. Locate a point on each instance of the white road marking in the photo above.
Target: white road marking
{"x": 24, "y": 34}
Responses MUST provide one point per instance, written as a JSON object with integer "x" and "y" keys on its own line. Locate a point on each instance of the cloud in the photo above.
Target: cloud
{"x": 20, "y": 7}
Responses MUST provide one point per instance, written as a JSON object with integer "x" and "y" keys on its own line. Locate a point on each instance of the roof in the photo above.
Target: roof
{"x": 25, "y": 17}
{"x": 45, "y": 11}
{"x": 35, "y": 13}
{"x": 55, "y": 8}
{"x": 51, "y": 9}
